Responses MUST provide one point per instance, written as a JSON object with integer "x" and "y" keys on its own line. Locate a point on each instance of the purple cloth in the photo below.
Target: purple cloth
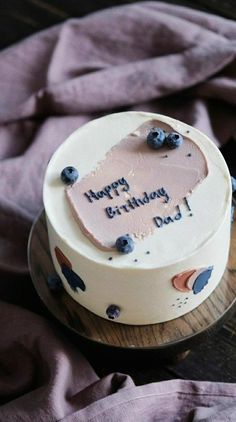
{"x": 145, "y": 56}
{"x": 44, "y": 379}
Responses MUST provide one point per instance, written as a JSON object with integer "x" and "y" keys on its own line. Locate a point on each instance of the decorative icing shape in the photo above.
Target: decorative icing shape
{"x": 194, "y": 280}
{"x": 72, "y": 278}
{"x": 179, "y": 281}
{"x": 202, "y": 280}
{"x": 61, "y": 258}
{"x": 132, "y": 185}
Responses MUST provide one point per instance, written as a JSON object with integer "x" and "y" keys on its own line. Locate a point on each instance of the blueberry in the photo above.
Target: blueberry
{"x": 69, "y": 175}
{"x": 233, "y": 181}
{"x": 156, "y": 138}
{"x": 174, "y": 140}
{"x": 113, "y": 311}
{"x": 54, "y": 283}
{"x": 125, "y": 244}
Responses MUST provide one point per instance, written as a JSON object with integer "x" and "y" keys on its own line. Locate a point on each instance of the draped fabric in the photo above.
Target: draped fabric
{"x": 147, "y": 56}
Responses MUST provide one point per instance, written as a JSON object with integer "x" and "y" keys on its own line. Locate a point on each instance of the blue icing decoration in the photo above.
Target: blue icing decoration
{"x": 73, "y": 279}
{"x": 202, "y": 280}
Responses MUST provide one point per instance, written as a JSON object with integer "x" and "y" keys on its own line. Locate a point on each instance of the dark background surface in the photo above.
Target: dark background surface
{"x": 20, "y": 18}
{"x": 215, "y": 358}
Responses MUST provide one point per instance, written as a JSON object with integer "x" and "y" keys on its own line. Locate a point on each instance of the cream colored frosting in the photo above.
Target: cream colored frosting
{"x": 136, "y": 184}
{"x": 140, "y": 283}
{"x": 87, "y": 146}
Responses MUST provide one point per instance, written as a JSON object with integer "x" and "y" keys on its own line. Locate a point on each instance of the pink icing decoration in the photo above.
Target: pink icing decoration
{"x": 61, "y": 258}
{"x": 179, "y": 281}
{"x": 145, "y": 170}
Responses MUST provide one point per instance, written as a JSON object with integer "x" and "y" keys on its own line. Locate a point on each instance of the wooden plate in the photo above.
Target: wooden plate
{"x": 202, "y": 320}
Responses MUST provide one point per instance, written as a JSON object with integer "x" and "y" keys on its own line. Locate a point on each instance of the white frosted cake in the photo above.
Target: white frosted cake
{"x": 138, "y": 214}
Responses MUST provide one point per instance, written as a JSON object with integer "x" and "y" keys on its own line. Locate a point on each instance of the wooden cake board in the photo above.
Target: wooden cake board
{"x": 179, "y": 334}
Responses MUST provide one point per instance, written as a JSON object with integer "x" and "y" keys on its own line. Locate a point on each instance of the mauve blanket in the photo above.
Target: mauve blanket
{"x": 150, "y": 56}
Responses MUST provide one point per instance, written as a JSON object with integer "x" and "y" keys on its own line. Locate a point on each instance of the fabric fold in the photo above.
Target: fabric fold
{"x": 149, "y": 56}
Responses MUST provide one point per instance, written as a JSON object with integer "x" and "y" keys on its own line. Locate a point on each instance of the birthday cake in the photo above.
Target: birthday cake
{"x": 138, "y": 214}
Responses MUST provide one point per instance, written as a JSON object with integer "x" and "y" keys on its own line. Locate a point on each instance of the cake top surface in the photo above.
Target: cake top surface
{"x": 170, "y": 201}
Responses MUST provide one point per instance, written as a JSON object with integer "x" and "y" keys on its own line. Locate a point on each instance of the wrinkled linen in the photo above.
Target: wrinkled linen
{"x": 45, "y": 378}
{"x": 147, "y": 56}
